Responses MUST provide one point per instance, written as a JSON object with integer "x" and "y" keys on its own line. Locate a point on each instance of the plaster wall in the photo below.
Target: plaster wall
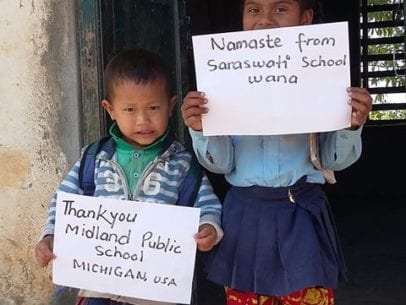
{"x": 39, "y": 134}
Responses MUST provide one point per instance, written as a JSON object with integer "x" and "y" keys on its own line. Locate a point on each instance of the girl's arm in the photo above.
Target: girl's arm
{"x": 340, "y": 149}
{"x": 216, "y": 154}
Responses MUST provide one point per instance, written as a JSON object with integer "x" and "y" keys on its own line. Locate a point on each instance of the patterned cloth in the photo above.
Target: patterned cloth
{"x": 308, "y": 296}
{"x": 97, "y": 301}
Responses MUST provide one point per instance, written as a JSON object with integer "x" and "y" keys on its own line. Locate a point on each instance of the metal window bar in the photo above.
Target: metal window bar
{"x": 366, "y": 58}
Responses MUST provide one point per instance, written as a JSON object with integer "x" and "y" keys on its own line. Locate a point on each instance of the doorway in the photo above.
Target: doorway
{"x": 369, "y": 200}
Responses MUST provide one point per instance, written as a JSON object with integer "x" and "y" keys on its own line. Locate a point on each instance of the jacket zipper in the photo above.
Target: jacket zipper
{"x": 148, "y": 169}
{"x": 123, "y": 178}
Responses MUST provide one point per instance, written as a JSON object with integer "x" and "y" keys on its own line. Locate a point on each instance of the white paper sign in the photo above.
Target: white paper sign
{"x": 127, "y": 248}
{"x": 275, "y": 81}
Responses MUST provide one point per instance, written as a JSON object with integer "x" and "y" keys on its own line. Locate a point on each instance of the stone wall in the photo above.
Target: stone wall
{"x": 39, "y": 134}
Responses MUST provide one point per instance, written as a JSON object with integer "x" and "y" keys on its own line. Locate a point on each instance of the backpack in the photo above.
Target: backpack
{"x": 188, "y": 190}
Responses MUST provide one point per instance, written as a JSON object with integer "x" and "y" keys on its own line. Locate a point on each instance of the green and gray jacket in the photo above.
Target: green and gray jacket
{"x": 159, "y": 183}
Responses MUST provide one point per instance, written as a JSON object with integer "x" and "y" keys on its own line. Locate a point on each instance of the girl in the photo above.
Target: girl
{"x": 280, "y": 244}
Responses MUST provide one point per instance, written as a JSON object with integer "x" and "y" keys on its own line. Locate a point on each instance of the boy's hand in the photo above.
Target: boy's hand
{"x": 206, "y": 238}
{"x": 43, "y": 250}
{"x": 361, "y": 103}
{"x": 192, "y": 109}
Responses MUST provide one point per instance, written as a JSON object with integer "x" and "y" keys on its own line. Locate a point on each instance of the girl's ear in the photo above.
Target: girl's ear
{"x": 108, "y": 107}
{"x": 307, "y": 17}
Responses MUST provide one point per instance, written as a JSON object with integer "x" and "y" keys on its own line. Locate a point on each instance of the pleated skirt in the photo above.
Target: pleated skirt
{"x": 277, "y": 241}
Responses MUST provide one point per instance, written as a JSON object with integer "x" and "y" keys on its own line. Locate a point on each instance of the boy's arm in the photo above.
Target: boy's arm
{"x": 210, "y": 207}
{"x": 70, "y": 184}
{"x": 214, "y": 153}
{"x": 43, "y": 250}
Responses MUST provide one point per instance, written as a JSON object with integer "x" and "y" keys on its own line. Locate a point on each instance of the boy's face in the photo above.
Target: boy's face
{"x": 266, "y": 14}
{"x": 141, "y": 111}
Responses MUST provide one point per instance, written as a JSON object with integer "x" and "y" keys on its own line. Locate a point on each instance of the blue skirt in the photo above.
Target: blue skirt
{"x": 277, "y": 241}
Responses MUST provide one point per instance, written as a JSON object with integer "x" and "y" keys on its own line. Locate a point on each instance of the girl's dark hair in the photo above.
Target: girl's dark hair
{"x": 305, "y": 5}
{"x": 140, "y": 66}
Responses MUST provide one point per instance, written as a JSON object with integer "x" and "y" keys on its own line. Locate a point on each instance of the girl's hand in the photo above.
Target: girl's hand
{"x": 193, "y": 108}
{"x": 206, "y": 238}
{"x": 43, "y": 250}
{"x": 361, "y": 103}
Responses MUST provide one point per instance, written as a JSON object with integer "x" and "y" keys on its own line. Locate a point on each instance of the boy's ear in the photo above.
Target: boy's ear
{"x": 107, "y": 106}
{"x": 307, "y": 17}
{"x": 172, "y": 104}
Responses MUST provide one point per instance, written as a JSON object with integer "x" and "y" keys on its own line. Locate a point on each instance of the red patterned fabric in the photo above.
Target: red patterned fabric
{"x": 308, "y": 296}
{"x": 97, "y": 301}
{"x": 81, "y": 301}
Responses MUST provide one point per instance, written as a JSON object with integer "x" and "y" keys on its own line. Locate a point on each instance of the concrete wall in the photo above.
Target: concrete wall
{"x": 39, "y": 134}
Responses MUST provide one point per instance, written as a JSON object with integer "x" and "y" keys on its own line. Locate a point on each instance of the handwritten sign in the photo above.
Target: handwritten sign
{"x": 127, "y": 248}
{"x": 275, "y": 81}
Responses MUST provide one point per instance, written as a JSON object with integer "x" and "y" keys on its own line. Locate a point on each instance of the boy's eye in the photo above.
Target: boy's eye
{"x": 129, "y": 109}
{"x": 154, "y": 108}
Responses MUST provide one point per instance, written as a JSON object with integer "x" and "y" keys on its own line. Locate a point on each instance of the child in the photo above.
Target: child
{"x": 280, "y": 245}
{"x": 148, "y": 164}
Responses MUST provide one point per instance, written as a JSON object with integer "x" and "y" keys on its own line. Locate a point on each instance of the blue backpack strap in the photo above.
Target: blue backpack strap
{"x": 87, "y": 164}
{"x": 191, "y": 184}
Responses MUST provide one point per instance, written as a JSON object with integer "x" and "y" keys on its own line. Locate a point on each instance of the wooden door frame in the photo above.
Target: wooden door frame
{"x": 91, "y": 62}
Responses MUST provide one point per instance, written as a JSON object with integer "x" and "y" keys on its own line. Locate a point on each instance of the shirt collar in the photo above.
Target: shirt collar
{"x": 123, "y": 145}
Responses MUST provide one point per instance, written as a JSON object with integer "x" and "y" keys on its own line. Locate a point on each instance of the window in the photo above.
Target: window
{"x": 383, "y": 58}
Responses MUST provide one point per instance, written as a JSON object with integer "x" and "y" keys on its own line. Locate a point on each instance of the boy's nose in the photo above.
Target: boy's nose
{"x": 142, "y": 117}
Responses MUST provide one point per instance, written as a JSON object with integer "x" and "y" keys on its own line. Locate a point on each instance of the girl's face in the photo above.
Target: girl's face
{"x": 267, "y": 14}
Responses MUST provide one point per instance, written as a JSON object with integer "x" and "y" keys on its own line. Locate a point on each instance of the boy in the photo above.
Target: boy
{"x": 148, "y": 164}
{"x": 280, "y": 246}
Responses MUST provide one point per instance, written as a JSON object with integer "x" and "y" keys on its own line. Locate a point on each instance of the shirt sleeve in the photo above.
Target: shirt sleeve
{"x": 216, "y": 154}
{"x": 340, "y": 149}
{"x": 210, "y": 206}
{"x": 70, "y": 184}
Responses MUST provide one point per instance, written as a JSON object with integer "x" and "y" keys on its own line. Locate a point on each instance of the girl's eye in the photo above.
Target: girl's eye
{"x": 153, "y": 108}
{"x": 281, "y": 9}
{"x": 253, "y": 10}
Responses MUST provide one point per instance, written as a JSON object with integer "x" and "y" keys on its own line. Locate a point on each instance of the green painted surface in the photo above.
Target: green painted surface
{"x": 107, "y": 27}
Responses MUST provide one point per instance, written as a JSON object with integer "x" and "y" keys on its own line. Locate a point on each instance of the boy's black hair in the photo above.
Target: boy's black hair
{"x": 138, "y": 65}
